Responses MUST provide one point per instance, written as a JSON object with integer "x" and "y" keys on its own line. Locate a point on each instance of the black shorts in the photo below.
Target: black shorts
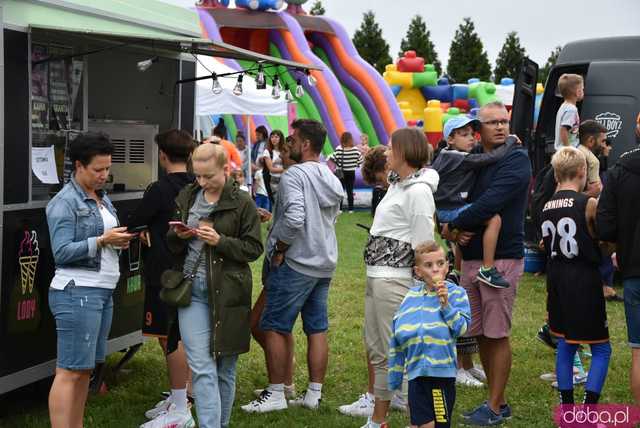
{"x": 432, "y": 399}
{"x": 155, "y": 322}
{"x": 575, "y": 301}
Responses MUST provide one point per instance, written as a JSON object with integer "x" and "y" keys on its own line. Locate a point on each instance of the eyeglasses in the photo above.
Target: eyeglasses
{"x": 496, "y": 123}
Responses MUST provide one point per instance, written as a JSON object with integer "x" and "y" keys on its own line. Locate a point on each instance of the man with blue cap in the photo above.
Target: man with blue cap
{"x": 457, "y": 168}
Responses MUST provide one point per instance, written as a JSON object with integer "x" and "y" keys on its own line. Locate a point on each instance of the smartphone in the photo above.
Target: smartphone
{"x": 180, "y": 226}
{"x": 137, "y": 229}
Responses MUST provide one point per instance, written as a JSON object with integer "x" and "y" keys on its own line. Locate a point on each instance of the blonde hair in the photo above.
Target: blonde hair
{"x": 425, "y": 248}
{"x": 567, "y": 163}
{"x": 568, "y": 84}
{"x": 205, "y": 152}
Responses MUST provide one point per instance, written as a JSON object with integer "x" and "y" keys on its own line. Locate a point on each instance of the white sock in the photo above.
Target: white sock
{"x": 314, "y": 391}
{"x": 179, "y": 398}
{"x": 289, "y": 388}
{"x": 277, "y": 389}
{"x": 374, "y": 424}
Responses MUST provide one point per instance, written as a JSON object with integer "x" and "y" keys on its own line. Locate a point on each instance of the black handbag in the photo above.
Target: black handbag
{"x": 176, "y": 285}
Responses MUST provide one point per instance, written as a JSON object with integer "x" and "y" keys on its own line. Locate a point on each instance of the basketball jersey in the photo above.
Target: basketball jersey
{"x": 564, "y": 229}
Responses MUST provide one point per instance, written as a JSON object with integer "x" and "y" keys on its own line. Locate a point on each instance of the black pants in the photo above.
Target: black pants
{"x": 348, "y": 181}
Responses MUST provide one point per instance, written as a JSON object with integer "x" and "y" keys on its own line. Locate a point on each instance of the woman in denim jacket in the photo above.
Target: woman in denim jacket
{"x": 85, "y": 239}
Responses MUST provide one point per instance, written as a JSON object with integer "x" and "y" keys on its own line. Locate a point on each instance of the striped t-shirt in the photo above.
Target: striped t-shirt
{"x": 348, "y": 159}
{"x": 423, "y": 341}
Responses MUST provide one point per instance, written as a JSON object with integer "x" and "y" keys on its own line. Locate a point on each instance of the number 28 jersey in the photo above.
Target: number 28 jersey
{"x": 564, "y": 229}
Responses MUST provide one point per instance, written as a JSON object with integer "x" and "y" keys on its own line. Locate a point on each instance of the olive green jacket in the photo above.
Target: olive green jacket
{"x": 229, "y": 277}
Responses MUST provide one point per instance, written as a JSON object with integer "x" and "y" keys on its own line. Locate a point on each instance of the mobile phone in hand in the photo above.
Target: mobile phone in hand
{"x": 180, "y": 226}
{"x": 137, "y": 229}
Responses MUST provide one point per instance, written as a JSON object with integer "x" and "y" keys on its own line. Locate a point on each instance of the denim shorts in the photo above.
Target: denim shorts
{"x": 447, "y": 216}
{"x": 290, "y": 293}
{"x": 83, "y": 319}
{"x": 632, "y": 310}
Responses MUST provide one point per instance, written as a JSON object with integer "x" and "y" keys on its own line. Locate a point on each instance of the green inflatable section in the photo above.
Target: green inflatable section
{"x": 429, "y": 77}
{"x": 359, "y": 112}
{"x": 306, "y": 109}
{"x": 231, "y": 125}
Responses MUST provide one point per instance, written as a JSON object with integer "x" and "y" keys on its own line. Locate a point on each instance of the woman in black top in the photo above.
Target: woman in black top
{"x": 156, "y": 210}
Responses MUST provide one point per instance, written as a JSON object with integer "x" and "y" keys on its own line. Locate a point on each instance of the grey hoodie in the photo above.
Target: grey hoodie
{"x": 306, "y": 209}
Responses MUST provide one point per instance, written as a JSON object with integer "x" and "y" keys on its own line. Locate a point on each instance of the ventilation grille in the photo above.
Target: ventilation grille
{"x": 119, "y": 152}
{"x": 132, "y": 151}
{"x": 136, "y": 151}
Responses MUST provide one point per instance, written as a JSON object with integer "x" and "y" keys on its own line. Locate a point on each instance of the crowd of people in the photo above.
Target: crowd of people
{"x": 428, "y": 309}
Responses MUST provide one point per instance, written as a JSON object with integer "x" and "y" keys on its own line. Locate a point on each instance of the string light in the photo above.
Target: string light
{"x": 261, "y": 81}
{"x": 275, "y": 92}
{"x": 216, "y": 87}
{"x": 299, "y": 90}
{"x": 238, "y": 89}
{"x": 288, "y": 95}
{"x": 310, "y": 79}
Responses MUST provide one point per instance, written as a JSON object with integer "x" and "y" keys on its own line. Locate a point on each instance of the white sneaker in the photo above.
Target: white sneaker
{"x": 478, "y": 373}
{"x": 578, "y": 379}
{"x": 369, "y": 424}
{"x": 398, "y": 403}
{"x": 160, "y": 409}
{"x": 172, "y": 419}
{"x": 362, "y": 407}
{"x": 548, "y": 377}
{"x": 289, "y": 392}
{"x": 267, "y": 402}
{"x": 463, "y": 377}
{"x": 306, "y": 401}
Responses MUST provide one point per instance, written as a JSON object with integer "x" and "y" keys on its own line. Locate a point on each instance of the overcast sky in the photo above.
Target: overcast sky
{"x": 541, "y": 24}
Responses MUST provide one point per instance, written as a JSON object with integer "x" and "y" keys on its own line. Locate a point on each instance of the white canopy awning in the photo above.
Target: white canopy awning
{"x": 251, "y": 102}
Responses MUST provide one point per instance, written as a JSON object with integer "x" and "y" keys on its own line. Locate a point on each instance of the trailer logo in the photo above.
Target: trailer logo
{"x": 612, "y": 122}
{"x": 25, "y": 299}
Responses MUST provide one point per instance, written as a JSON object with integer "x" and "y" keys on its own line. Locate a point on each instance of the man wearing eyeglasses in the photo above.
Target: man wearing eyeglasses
{"x": 500, "y": 188}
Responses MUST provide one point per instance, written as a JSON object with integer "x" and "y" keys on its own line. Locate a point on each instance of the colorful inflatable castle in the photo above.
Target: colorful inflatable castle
{"x": 428, "y": 101}
{"x": 348, "y": 95}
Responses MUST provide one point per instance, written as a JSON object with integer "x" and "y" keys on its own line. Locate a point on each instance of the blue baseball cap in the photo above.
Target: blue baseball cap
{"x": 458, "y": 122}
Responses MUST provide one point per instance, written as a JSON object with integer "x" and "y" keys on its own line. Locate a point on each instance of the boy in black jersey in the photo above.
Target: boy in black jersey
{"x": 575, "y": 300}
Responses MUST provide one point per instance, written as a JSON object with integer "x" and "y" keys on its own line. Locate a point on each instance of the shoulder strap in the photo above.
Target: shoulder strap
{"x": 199, "y": 261}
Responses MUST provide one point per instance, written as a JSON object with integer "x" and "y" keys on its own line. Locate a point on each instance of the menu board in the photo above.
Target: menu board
{"x": 39, "y": 89}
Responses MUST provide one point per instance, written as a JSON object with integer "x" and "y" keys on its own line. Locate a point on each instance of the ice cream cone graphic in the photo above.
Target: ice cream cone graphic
{"x": 28, "y": 257}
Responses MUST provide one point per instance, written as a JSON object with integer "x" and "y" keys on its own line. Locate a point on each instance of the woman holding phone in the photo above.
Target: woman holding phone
{"x": 221, "y": 238}
{"x": 85, "y": 240}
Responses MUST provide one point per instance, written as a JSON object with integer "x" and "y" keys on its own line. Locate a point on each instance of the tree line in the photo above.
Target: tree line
{"x": 467, "y": 56}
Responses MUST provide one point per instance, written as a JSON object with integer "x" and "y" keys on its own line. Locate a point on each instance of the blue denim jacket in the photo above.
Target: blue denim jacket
{"x": 74, "y": 226}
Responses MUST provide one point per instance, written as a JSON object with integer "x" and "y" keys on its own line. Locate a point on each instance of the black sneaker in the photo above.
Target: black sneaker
{"x": 545, "y": 336}
{"x": 492, "y": 278}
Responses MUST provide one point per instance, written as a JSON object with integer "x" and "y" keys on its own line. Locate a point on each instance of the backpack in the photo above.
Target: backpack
{"x": 543, "y": 190}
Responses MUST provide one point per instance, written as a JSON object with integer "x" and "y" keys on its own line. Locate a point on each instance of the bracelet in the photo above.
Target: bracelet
{"x": 99, "y": 241}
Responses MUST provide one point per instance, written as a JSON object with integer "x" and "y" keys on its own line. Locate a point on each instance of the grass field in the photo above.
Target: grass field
{"x": 137, "y": 388}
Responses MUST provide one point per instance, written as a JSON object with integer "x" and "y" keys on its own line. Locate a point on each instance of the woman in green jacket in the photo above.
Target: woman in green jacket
{"x": 222, "y": 237}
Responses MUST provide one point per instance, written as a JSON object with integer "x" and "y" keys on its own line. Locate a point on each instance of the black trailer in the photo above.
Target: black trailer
{"x": 66, "y": 68}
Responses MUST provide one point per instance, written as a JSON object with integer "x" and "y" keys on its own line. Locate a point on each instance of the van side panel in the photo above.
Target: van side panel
{"x": 613, "y": 98}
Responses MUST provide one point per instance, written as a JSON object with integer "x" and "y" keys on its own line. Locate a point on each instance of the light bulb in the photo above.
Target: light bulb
{"x": 299, "y": 90}
{"x": 146, "y": 64}
{"x": 310, "y": 79}
{"x": 261, "y": 81}
{"x": 275, "y": 92}
{"x": 216, "y": 87}
{"x": 288, "y": 95}
{"x": 238, "y": 89}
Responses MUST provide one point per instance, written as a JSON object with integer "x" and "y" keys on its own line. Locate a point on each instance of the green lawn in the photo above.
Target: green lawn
{"x": 137, "y": 388}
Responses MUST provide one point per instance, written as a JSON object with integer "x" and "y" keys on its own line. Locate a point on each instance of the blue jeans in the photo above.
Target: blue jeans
{"x": 290, "y": 293}
{"x": 83, "y": 319}
{"x": 632, "y": 310}
{"x": 214, "y": 379}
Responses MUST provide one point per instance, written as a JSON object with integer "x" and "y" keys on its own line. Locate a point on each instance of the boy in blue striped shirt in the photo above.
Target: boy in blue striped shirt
{"x": 432, "y": 316}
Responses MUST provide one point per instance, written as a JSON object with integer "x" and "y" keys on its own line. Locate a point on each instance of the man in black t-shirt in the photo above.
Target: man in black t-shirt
{"x": 155, "y": 211}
